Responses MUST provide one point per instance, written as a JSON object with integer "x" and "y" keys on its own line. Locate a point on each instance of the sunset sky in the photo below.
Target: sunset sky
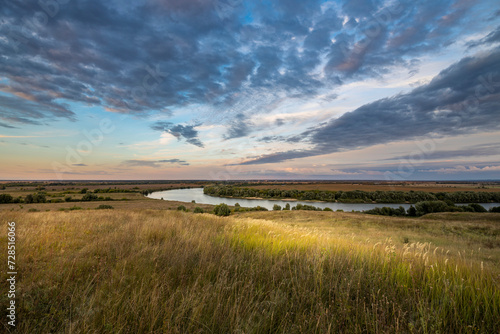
{"x": 231, "y": 89}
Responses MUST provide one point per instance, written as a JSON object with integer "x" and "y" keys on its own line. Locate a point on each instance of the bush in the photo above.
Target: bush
{"x": 287, "y": 206}
{"x": 33, "y": 210}
{"x": 327, "y": 209}
{"x": 182, "y": 208}
{"x": 477, "y": 208}
{"x": 222, "y": 210}
{"x": 68, "y": 198}
{"x": 89, "y": 197}
{"x": 5, "y": 198}
{"x": 35, "y": 198}
{"x": 276, "y": 207}
{"x": 198, "y": 210}
{"x": 104, "y": 207}
{"x": 430, "y": 207}
{"x": 495, "y": 209}
{"x": 412, "y": 212}
{"x": 83, "y": 191}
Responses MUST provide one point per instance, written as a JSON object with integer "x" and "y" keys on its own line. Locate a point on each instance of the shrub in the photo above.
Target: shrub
{"x": 182, "y": 208}
{"x": 222, "y": 210}
{"x": 198, "y": 210}
{"x": 430, "y": 207}
{"x": 412, "y": 212}
{"x": 477, "y": 208}
{"x": 327, "y": 209}
{"x": 33, "y": 210}
{"x": 276, "y": 207}
{"x": 68, "y": 198}
{"x": 495, "y": 209}
{"x": 104, "y": 206}
{"x": 89, "y": 197}
{"x": 5, "y": 198}
{"x": 287, "y": 206}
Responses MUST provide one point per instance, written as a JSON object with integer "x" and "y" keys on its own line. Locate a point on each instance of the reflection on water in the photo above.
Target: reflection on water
{"x": 196, "y": 194}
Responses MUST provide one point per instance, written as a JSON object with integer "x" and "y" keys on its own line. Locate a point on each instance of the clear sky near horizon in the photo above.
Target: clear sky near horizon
{"x": 230, "y": 89}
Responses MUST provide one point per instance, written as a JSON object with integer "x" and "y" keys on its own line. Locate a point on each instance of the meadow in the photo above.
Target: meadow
{"x": 165, "y": 271}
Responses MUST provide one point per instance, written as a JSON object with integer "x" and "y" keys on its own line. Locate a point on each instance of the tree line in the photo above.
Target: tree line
{"x": 354, "y": 196}
{"x": 423, "y": 208}
{"x": 41, "y": 197}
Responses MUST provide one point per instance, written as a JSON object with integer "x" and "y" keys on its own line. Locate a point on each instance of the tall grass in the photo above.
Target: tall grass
{"x": 173, "y": 272}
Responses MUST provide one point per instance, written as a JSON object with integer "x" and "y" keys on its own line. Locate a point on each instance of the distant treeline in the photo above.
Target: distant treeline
{"x": 423, "y": 208}
{"x": 41, "y": 197}
{"x": 355, "y": 196}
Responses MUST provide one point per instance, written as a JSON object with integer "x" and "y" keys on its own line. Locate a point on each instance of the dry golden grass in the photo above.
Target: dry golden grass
{"x": 159, "y": 271}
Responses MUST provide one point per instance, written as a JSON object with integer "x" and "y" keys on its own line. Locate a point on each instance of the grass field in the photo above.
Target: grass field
{"x": 163, "y": 271}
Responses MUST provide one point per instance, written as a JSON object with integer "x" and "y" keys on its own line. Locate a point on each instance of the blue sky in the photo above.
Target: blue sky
{"x": 229, "y": 89}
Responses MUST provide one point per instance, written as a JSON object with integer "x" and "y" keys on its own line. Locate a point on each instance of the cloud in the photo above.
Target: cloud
{"x": 464, "y": 169}
{"x": 471, "y": 151}
{"x": 240, "y": 127}
{"x": 19, "y": 111}
{"x": 154, "y": 163}
{"x": 179, "y": 131}
{"x": 463, "y": 98}
{"x": 491, "y": 38}
{"x": 206, "y": 52}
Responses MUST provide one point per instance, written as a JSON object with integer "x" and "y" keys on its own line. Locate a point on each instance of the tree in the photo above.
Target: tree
{"x": 287, "y": 206}
{"x": 276, "y": 207}
{"x": 412, "y": 212}
{"x": 222, "y": 210}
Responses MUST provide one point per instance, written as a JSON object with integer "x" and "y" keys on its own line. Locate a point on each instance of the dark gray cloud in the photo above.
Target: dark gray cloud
{"x": 142, "y": 57}
{"x": 471, "y": 151}
{"x": 492, "y": 37}
{"x": 240, "y": 127}
{"x": 463, "y": 98}
{"x": 179, "y": 131}
{"x": 17, "y": 111}
{"x": 154, "y": 163}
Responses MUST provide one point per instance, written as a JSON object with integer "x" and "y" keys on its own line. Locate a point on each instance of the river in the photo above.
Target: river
{"x": 196, "y": 194}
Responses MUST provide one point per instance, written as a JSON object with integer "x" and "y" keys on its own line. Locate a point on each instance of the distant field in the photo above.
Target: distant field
{"x": 161, "y": 271}
{"x": 369, "y": 186}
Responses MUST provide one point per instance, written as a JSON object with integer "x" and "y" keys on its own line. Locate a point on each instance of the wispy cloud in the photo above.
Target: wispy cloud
{"x": 154, "y": 163}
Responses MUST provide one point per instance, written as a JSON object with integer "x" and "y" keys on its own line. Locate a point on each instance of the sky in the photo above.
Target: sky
{"x": 233, "y": 89}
